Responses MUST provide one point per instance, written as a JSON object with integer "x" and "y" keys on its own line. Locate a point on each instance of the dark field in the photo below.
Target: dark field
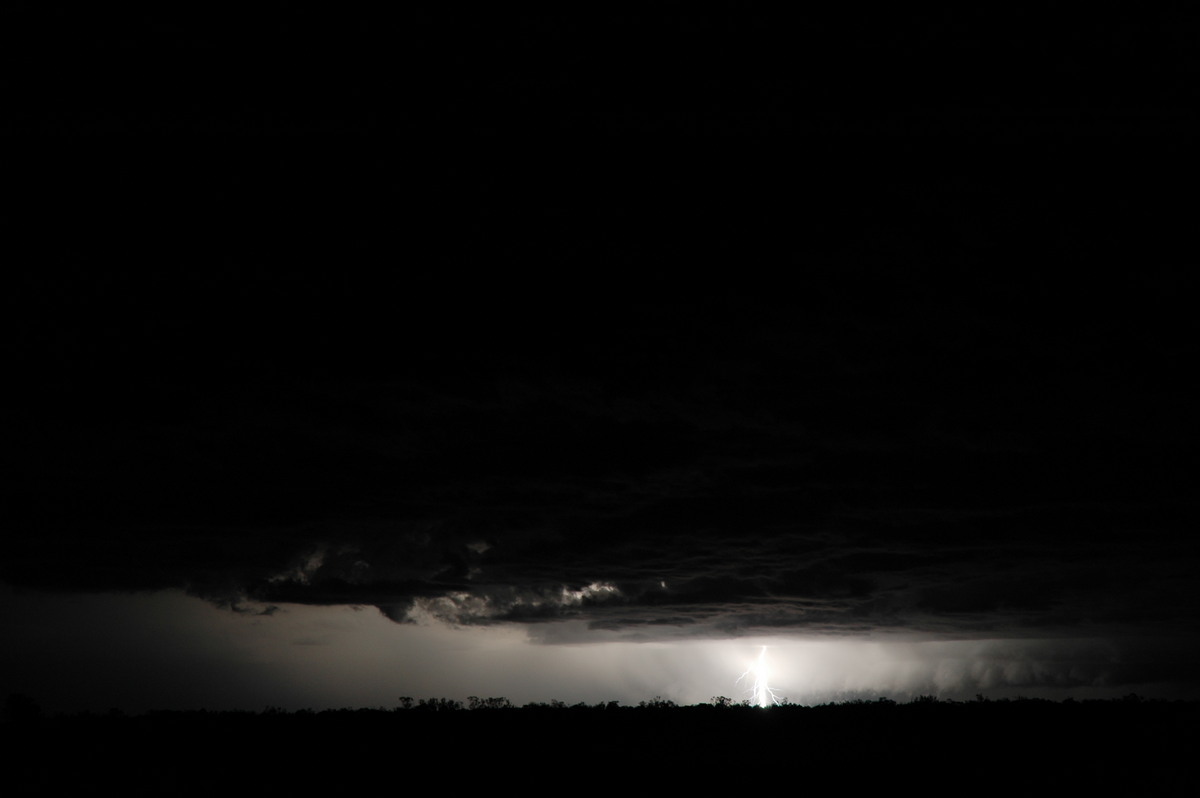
{"x": 986, "y": 746}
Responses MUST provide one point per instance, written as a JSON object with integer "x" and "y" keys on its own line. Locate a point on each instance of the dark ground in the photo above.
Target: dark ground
{"x": 990, "y": 747}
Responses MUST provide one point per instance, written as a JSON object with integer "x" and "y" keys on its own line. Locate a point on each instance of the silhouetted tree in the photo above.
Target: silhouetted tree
{"x": 439, "y": 705}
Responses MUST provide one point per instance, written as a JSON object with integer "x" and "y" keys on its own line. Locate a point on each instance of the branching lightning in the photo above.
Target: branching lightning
{"x": 758, "y": 675}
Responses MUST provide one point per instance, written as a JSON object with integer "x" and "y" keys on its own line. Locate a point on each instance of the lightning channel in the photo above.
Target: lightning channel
{"x": 758, "y": 677}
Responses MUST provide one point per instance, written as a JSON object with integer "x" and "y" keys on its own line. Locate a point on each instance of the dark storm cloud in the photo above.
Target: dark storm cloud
{"x": 755, "y": 474}
{"x": 861, "y": 447}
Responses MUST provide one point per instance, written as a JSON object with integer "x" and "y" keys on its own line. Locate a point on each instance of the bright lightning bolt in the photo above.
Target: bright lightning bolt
{"x": 758, "y": 675}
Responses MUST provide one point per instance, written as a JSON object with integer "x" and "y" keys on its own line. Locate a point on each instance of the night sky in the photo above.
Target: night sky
{"x": 579, "y": 358}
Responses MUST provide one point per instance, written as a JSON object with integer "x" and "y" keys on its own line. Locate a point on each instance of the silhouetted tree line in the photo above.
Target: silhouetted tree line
{"x": 1142, "y": 745}
{"x": 21, "y": 709}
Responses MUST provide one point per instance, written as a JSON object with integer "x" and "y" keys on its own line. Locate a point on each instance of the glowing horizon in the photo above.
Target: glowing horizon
{"x": 167, "y": 650}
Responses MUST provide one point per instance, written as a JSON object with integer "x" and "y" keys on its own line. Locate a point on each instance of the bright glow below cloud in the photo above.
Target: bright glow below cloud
{"x": 168, "y": 650}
